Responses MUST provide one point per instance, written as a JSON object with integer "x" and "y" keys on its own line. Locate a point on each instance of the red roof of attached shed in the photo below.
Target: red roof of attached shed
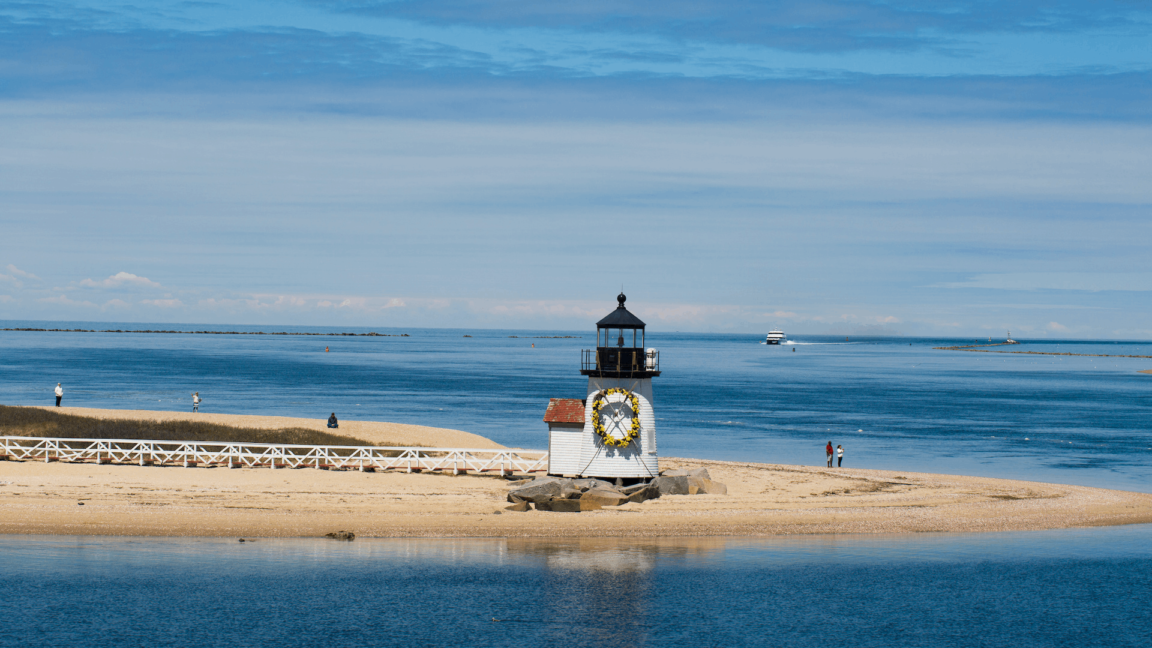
{"x": 564, "y": 410}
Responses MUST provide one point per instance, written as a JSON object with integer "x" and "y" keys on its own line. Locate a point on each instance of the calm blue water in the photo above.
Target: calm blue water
{"x": 893, "y": 403}
{"x": 1069, "y": 588}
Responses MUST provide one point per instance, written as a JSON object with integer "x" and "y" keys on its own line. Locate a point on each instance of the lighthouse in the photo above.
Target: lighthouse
{"x": 618, "y": 435}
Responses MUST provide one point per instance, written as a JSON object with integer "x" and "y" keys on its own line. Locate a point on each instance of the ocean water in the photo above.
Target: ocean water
{"x": 893, "y": 403}
{"x": 1073, "y": 588}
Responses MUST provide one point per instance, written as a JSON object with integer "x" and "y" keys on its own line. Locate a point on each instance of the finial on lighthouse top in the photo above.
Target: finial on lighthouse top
{"x": 620, "y": 317}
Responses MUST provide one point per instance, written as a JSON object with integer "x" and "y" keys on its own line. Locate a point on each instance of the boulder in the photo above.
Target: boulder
{"x": 538, "y": 490}
{"x": 628, "y": 490}
{"x": 644, "y": 494}
{"x": 600, "y": 497}
{"x": 570, "y": 491}
{"x": 701, "y": 473}
{"x": 341, "y": 535}
{"x": 559, "y": 506}
{"x": 590, "y": 483}
{"x": 714, "y": 488}
{"x": 696, "y": 485}
{"x": 590, "y": 505}
{"x": 671, "y": 485}
{"x": 519, "y": 507}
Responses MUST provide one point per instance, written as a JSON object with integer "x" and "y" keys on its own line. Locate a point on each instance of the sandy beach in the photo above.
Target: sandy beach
{"x": 762, "y": 499}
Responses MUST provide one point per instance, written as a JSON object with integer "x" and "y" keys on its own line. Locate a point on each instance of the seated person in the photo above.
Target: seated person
{"x": 332, "y": 422}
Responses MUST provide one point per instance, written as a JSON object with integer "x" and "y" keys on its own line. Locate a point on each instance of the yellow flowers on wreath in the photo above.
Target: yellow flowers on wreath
{"x": 598, "y": 423}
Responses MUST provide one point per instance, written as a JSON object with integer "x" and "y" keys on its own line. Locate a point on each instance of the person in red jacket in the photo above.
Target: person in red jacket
{"x": 829, "y": 451}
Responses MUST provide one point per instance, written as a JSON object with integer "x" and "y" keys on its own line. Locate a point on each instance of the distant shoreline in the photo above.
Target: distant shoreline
{"x": 42, "y": 330}
{"x": 762, "y": 500}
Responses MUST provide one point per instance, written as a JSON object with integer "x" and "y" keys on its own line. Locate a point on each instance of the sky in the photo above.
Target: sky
{"x": 944, "y": 168}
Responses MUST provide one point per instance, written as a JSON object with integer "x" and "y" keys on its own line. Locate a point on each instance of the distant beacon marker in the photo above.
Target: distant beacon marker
{"x": 612, "y": 432}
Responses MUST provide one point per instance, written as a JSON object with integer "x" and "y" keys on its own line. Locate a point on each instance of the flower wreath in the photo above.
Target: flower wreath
{"x": 598, "y": 423}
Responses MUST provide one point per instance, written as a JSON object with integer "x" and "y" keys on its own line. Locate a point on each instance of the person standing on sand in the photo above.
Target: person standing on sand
{"x": 828, "y": 451}
{"x": 59, "y": 394}
{"x": 196, "y": 402}
{"x": 332, "y": 422}
{"x": 839, "y": 455}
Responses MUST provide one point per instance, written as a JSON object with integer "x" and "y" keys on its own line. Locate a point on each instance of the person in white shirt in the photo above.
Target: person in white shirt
{"x": 59, "y": 394}
{"x": 196, "y": 402}
{"x": 839, "y": 455}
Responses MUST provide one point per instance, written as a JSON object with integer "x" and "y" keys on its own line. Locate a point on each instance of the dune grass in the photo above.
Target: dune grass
{"x": 37, "y": 422}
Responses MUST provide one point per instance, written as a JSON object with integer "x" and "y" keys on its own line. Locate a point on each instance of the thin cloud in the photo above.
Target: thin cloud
{"x": 16, "y": 275}
{"x": 21, "y": 273}
{"x": 785, "y": 315}
{"x": 1078, "y": 281}
{"x": 121, "y": 279}
{"x": 63, "y": 300}
{"x": 790, "y": 25}
{"x": 162, "y": 303}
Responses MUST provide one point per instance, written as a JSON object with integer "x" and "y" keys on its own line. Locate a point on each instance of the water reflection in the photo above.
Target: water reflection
{"x": 923, "y": 589}
{"x": 615, "y": 555}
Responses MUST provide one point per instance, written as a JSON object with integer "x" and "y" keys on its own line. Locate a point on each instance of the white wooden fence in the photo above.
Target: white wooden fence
{"x": 271, "y": 455}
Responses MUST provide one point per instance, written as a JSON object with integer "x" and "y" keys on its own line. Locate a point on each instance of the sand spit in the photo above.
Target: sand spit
{"x": 763, "y": 500}
{"x": 372, "y": 432}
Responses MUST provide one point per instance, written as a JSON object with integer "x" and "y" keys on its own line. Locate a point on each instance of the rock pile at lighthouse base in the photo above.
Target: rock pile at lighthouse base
{"x": 563, "y": 495}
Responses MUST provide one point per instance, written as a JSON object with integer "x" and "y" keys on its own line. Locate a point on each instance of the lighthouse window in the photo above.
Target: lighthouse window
{"x": 620, "y": 337}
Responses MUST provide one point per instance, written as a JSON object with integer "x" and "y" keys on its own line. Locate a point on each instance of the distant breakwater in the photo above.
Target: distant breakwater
{"x": 206, "y": 332}
{"x": 543, "y": 337}
{"x": 1050, "y": 353}
{"x": 966, "y": 347}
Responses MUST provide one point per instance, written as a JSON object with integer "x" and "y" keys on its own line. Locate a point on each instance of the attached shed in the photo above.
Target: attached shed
{"x": 565, "y": 418}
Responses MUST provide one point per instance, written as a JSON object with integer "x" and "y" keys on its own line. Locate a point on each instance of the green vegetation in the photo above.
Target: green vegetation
{"x": 37, "y": 422}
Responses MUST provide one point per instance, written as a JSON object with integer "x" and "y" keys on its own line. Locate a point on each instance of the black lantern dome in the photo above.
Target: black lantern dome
{"x": 620, "y": 349}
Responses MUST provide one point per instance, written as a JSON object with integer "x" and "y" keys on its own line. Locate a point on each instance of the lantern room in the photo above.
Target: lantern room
{"x": 620, "y": 350}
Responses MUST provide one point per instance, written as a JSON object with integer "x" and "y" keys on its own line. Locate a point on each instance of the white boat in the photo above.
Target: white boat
{"x": 775, "y": 336}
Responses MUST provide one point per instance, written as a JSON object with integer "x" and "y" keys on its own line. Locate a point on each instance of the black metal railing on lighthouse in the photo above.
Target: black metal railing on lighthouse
{"x": 620, "y": 362}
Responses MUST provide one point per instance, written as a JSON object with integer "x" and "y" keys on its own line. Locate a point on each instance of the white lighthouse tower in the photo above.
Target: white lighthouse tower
{"x": 618, "y": 438}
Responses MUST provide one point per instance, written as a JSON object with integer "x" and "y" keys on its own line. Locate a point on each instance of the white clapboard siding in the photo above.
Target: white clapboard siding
{"x": 564, "y": 450}
{"x": 638, "y": 459}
